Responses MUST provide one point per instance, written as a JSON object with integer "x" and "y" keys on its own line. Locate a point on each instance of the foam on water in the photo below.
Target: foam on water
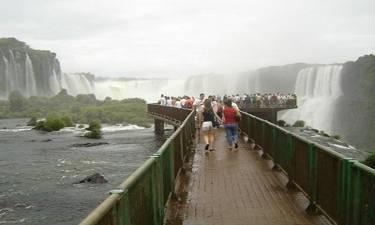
{"x": 121, "y": 127}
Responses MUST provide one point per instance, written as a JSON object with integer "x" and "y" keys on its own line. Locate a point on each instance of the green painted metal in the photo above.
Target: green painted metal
{"x": 291, "y": 157}
{"x": 355, "y": 189}
{"x": 146, "y": 191}
{"x": 312, "y": 173}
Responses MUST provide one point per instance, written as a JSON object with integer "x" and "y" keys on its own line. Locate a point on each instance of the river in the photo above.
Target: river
{"x": 38, "y": 170}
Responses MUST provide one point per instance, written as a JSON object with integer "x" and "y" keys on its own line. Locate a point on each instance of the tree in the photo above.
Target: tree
{"x": 17, "y": 102}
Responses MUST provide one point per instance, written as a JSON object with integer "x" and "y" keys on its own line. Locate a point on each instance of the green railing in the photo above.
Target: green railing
{"x": 142, "y": 197}
{"x": 340, "y": 187}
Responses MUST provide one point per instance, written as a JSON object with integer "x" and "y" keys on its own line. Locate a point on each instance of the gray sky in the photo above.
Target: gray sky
{"x": 173, "y": 37}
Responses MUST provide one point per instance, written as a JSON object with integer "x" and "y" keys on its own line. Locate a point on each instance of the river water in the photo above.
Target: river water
{"x": 37, "y": 170}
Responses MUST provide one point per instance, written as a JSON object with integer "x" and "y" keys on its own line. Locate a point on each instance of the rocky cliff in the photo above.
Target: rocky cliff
{"x": 29, "y": 71}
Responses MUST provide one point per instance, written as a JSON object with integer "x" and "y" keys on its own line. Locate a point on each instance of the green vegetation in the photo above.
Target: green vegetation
{"x": 337, "y": 137}
{"x": 299, "y": 123}
{"x": 370, "y": 161}
{"x": 80, "y": 109}
{"x": 94, "y": 130}
{"x": 52, "y": 123}
{"x": 281, "y": 123}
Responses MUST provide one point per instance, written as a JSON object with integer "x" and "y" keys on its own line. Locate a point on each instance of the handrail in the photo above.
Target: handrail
{"x": 151, "y": 183}
{"x": 340, "y": 187}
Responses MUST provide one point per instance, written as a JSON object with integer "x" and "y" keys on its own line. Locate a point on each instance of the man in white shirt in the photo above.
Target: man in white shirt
{"x": 162, "y": 100}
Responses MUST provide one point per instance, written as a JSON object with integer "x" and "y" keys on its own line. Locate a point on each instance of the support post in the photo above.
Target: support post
{"x": 159, "y": 126}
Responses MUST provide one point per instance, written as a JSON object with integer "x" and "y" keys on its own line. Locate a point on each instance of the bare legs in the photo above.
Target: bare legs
{"x": 209, "y": 138}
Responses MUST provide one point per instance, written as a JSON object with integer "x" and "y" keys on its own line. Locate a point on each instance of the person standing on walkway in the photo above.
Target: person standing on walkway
{"x": 230, "y": 120}
{"x": 207, "y": 118}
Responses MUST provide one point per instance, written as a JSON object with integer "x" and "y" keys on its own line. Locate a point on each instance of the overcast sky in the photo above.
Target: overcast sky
{"x": 174, "y": 37}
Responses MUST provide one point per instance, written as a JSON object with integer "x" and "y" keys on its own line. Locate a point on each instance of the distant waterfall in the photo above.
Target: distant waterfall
{"x": 17, "y": 74}
{"x": 150, "y": 90}
{"x": 317, "y": 90}
{"x": 30, "y": 78}
{"x": 54, "y": 83}
{"x": 76, "y": 84}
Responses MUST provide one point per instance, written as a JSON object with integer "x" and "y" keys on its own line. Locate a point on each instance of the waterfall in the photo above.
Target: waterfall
{"x": 12, "y": 73}
{"x": 6, "y": 78}
{"x": 76, "y": 84}
{"x": 54, "y": 83}
{"x": 30, "y": 78}
{"x": 149, "y": 90}
{"x": 317, "y": 89}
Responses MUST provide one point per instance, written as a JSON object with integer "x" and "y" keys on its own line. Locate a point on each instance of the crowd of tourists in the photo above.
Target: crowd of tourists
{"x": 267, "y": 100}
{"x": 255, "y": 100}
{"x": 215, "y": 111}
{"x": 212, "y": 112}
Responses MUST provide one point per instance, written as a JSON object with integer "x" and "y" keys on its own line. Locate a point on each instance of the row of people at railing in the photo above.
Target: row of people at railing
{"x": 268, "y": 100}
{"x": 256, "y": 100}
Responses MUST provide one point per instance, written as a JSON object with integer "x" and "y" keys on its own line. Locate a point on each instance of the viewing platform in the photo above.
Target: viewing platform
{"x": 280, "y": 179}
{"x": 267, "y": 111}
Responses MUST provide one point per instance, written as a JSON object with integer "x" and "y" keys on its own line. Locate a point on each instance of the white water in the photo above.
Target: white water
{"x": 150, "y": 90}
{"x": 76, "y": 84}
{"x": 18, "y": 77}
{"x": 317, "y": 90}
{"x": 30, "y": 78}
{"x": 54, "y": 83}
{"x": 120, "y": 127}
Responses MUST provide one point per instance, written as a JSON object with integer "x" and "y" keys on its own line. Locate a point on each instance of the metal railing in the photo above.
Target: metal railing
{"x": 340, "y": 187}
{"x": 170, "y": 113}
{"x": 142, "y": 197}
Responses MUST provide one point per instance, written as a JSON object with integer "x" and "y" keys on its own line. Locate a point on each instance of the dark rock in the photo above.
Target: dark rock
{"x": 46, "y": 140}
{"x": 95, "y": 178}
{"x": 89, "y": 144}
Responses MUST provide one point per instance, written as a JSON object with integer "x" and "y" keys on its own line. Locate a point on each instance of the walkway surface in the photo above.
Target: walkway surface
{"x": 238, "y": 188}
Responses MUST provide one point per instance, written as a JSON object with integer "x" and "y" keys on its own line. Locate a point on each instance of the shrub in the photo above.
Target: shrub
{"x": 337, "y": 137}
{"x": 67, "y": 121}
{"x": 51, "y": 124}
{"x": 94, "y": 125}
{"x": 55, "y": 123}
{"x": 370, "y": 161}
{"x": 95, "y": 132}
{"x": 17, "y": 102}
{"x": 299, "y": 123}
{"x": 281, "y": 123}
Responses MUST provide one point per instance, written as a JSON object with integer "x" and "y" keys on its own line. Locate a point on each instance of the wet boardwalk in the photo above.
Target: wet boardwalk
{"x": 238, "y": 188}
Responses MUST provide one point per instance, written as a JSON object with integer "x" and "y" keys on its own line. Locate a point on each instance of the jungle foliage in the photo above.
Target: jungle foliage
{"x": 79, "y": 109}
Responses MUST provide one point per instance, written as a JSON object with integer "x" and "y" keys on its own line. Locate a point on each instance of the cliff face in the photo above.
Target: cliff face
{"x": 29, "y": 71}
{"x": 280, "y": 78}
{"x": 356, "y": 110}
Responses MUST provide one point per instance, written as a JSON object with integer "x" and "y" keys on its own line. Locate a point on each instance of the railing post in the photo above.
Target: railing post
{"x": 159, "y": 126}
{"x": 291, "y": 162}
{"x": 356, "y": 196}
{"x": 126, "y": 212}
{"x": 313, "y": 172}
{"x": 345, "y": 192}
